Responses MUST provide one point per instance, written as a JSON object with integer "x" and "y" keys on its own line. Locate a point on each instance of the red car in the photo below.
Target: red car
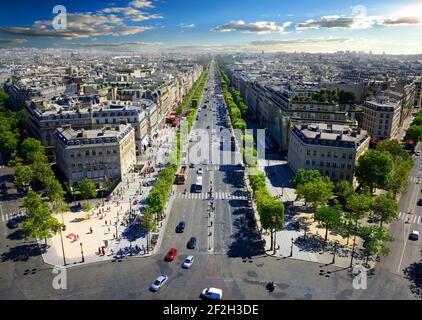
{"x": 172, "y": 254}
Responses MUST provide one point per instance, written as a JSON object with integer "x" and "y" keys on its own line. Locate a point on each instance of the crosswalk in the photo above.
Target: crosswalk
{"x": 410, "y": 218}
{"x": 225, "y": 168}
{"x": 4, "y": 217}
{"x": 414, "y": 179}
{"x": 216, "y": 195}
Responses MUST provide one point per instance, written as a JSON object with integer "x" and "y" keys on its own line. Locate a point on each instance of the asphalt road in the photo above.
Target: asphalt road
{"x": 235, "y": 263}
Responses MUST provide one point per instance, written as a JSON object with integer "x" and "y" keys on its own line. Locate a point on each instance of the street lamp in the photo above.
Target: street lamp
{"x": 335, "y": 251}
{"x": 291, "y": 248}
{"x": 61, "y": 239}
{"x": 82, "y": 253}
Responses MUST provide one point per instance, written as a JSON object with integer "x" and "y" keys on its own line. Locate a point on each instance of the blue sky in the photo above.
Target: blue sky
{"x": 270, "y": 25}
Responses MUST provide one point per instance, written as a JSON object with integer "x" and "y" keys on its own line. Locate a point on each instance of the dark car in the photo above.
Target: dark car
{"x": 12, "y": 224}
{"x": 191, "y": 243}
{"x": 180, "y": 227}
{"x": 420, "y": 202}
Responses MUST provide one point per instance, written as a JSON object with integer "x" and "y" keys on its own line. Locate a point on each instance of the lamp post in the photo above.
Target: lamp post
{"x": 61, "y": 240}
{"x": 291, "y": 248}
{"x": 335, "y": 251}
{"x": 82, "y": 253}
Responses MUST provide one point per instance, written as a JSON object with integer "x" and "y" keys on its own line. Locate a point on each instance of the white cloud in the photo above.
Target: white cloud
{"x": 259, "y": 27}
{"x": 141, "y": 4}
{"x": 186, "y": 26}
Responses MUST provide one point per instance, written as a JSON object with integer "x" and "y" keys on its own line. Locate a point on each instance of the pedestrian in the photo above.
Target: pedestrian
{"x": 106, "y": 222}
{"x": 108, "y": 230}
{"x": 90, "y": 230}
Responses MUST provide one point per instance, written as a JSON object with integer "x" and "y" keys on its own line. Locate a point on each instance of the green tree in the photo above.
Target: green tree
{"x": 23, "y": 177}
{"x": 385, "y": 207}
{"x": 316, "y": 193}
{"x": 148, "y": 224}
{"x": 304, "y": 176}
{"x": 87, "y": 189}
{"x": 374, "y": 169}
{"x": 359, "y": 205}
{"x": 329, "y": 218}
{"x": 414, "y": 133}
{"x": 156, "y": 202}
{"x": 40, "y": 223}
{"x": 54, "y": 189}
{"x": 30, "y": 148}
{"x": 343, "y": 191}
{"x": 374, "y": 239}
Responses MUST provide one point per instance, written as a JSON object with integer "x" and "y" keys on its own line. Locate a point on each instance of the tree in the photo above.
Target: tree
{"x": 316, "y": 193}
{"x": 257, "y": 181}
{"x": 156, "y": 202}
{"x": 329, "y": 218}
{"x": 344, "y": 190}
{"x": 148, "y": 224}
{"x": 54, "y": 189}
{"x": 414, "y": 133}
{"x": 271, "y": 213}
{"x": 41, "y": 168}
{"x": 304, "y": 176}
{"x": 400, "y": 178}
{"x": 359, "y": 205}
{"x": 374, "y": 239}
{"x": 40, "y": 223}
{"x": 374, "y": 169}
{"x": 385, "y": 207}
{"x": 23, "y": 177}
{"x": 30, "y": 148}
{"x": 87, "y": 189}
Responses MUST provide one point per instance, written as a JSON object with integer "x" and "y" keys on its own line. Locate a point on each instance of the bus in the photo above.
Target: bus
{"x": 198, "y": 184}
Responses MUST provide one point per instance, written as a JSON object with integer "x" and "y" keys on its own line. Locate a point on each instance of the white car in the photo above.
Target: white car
{"x": 159, "y": 283}
{"x": 200, "y": 171}
{"x": 212, "y": 294}
{"x": 414, "y": 235}
{"x": 188, "y": 262}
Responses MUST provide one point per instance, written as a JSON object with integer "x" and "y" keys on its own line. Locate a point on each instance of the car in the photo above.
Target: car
{"x": 418, "y": 153}
{"x": 159, "y": 283}
{"x": 414, "y": 235}
{"x": 212, "y": 293}
{"x": 12, "y": 223}
{"x": 200, "y": 171}
{"x": 191, "y": 165}
{"x": 191, "y": 243}
{"x": 171, "y": 254}
{"x": 419, "y": 202}
{"x": 188, "y": 262}
{"x": 180, "y": 227}
{"x": 208, "y": 127}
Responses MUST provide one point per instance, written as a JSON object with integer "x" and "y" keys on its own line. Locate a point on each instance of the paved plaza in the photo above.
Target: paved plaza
{"x": 109, "y": 231}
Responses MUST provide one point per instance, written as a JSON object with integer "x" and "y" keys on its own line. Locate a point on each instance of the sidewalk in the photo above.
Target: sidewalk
{"x": 110, "y": 221}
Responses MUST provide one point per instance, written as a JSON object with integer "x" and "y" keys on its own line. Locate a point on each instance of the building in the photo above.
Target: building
{"x": 418, "y": 94}
{"x": 382, "y": 114}
{"x": 100, "y": 155}
{"x": 331, "y": 149}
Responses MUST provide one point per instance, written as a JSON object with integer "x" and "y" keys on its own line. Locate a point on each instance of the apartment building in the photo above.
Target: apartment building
{"x": 382, "y": 114}
{"x": 101, "y": 155}
{"x": 331, "y": 149}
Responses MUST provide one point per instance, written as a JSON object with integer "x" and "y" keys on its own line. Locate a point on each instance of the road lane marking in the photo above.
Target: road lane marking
{"x": 400, "y": 215}
{"x": 419, "y": 219}
{"x": 404, "y": 245}
{"x": 414, "y": 219}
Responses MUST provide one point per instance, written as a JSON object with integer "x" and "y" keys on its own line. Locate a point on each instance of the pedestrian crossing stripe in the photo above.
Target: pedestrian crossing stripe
{"x": 215, "y": 195}
{"x": 411, "y": 218}
{"x": 5, "y": 216}
{"x": 414, "y": 179}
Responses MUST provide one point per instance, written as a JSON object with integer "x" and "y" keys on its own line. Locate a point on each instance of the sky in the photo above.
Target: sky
{"x": 215, "y": 25}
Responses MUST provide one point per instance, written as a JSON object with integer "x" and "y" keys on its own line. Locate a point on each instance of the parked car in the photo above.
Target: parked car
{"x": 200, "y": 171}
{"x": 418, "y": 153}
{"x": 188, "y": 262}
{"x": 12, "y": 223}
{"x": 212, "y": 294}
{"x": 180, "y": 227}
{"x": 191, "y": 243}
{"x": 414, "y": 235}
{"x": 159, "y": 283}
{"x": 419, "y": 202}
{"x": 171, "y": 254}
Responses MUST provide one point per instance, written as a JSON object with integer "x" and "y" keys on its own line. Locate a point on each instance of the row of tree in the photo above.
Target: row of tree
{"x": 238, "y": 110}
{"x": 11, "y": 127}
{"x": 415, "y": 130}
{"x": 196, "y": 98}
{"x": 335, "y": 96}
{"x": 270, "y": 209}
{"x": 339, "y": 208}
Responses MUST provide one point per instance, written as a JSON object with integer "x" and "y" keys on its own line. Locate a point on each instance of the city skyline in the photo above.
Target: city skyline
{"x": 217, "y": 26}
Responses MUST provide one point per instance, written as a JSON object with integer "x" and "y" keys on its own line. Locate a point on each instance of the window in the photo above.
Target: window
{"x": 349, "y": 166}
{"x": 321, "y": 164}
{"x": 350, "y": 156}
{"x": 314, "y": 153}
{"x": 308, "y": 152}
{"x": 307, "y": 162}
{"x": 329, "y": 154}
{"x": 334, "y": 165}
{"x": 344, "y": 156}
{"x": 87, "y": 152}
{"x": 94, "y": 153}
